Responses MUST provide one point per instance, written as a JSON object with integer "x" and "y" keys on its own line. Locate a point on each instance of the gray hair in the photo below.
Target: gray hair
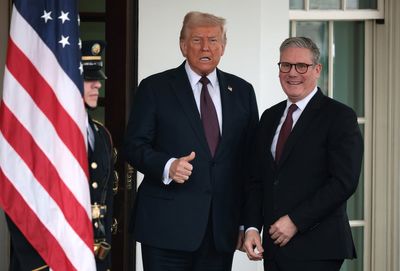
{"x": 196, "y": 19}
{"x": 302, "y": 42}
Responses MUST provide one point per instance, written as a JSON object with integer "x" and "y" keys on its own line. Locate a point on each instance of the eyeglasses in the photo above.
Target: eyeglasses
{"x": 286, "y": 67}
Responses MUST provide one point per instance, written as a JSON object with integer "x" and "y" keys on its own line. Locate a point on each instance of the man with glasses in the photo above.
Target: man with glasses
{"x": 307, "y": 160}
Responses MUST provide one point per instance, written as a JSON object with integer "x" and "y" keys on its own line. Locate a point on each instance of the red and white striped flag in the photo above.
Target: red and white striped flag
{"x": 43, "y": 160}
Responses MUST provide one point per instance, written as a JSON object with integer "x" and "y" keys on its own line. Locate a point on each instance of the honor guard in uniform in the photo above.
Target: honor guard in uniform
{"x": 101, "y": 158}
{"x": 100, "y": 155}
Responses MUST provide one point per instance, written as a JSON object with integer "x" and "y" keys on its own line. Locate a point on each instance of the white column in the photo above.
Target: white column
{"x": 386, "y": 143}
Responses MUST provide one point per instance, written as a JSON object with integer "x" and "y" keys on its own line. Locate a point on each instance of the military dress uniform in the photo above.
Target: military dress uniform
{"x": 101, "y": 192}
{"x": 101, "y": 159}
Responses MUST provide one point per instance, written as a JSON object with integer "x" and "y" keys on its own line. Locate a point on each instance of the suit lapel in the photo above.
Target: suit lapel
{"x": 227, "y": 104}
{"x": 184, "y": 93}
{"x": 310, "y": 111}
{"x": 271, "y": 129}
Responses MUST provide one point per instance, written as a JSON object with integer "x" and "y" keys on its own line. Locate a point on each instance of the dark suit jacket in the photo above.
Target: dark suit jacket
{"x": 165, "y": 123}
{"x": 318, "y": 172}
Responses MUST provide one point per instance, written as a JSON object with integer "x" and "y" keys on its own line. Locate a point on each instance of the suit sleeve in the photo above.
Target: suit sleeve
{"x": 141, "y": 132}
{"x": 344, "y": 156}
{"x": 253, "y": 216}
{"x": 250, "y": 136}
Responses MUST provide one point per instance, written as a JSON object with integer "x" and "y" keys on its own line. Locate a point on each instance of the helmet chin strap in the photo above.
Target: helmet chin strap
{"x": 88, "y": 107}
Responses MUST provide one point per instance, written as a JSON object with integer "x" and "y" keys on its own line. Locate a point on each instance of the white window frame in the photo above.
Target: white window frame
{"x": 366, "y": 120}
{"x": 337, "y": 14}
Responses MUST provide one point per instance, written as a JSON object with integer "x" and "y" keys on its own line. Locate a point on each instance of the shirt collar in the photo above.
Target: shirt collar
{"x": 194, "y": 77}
{"x": 303, "y": 103}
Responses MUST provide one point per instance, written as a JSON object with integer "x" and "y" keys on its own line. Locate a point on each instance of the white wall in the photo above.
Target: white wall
{"x": 255, "y": 30}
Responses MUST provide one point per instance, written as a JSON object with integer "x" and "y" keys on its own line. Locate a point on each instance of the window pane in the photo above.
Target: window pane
{"x": 356, "y": 264}
{"x": 361, "y": 4}
{"x": 355, "y": 205}
{"x": 348, "y": 64}
{"x": 318, "y": 32}
{"x": 93, "y": 30}
{"x": 296, "y": 4}
{"x": 92, "y": 6}
{"x": 325, "y": 4}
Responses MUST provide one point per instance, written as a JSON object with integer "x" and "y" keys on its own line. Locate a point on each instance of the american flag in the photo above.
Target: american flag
{"x": 43, "y": 160}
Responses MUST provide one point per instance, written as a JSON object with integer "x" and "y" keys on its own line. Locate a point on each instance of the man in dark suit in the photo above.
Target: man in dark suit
{"x": 189, "y": 137}
{"x": 307, "y": 161}
{"x": 23, "y": 256}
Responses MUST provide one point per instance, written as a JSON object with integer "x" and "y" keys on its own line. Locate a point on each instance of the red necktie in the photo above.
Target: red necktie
{"x": 209, "y": 116}
{"x": 285, "y": 131}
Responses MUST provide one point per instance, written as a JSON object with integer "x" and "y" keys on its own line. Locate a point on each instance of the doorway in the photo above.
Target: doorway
{"x": 116, "y": 22}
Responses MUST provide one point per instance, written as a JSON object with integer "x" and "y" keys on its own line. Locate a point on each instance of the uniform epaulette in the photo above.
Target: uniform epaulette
{"x": 96, "y": 122}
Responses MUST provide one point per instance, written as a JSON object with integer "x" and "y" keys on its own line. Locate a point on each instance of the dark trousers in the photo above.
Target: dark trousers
{"x": 205, "y": 258}
{"x": 279, "y": 263}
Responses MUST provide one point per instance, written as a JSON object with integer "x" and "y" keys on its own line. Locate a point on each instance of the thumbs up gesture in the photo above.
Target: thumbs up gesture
{"x": 181, "y": 168}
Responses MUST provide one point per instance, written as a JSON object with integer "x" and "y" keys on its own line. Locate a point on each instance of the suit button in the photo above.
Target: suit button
{"x": 95, "y": 185}
{"x": 276, "y": 182}
{"x": 93, "y": 165}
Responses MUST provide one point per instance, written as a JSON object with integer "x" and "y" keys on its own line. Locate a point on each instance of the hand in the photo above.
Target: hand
{"x": 181, "y": 168}
{"x": 282, "y": 230}
{"x": 240, "y": 241}
{"x": 252, "y": 245}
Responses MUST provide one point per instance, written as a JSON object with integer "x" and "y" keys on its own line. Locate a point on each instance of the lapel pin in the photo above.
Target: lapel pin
{"x": 230, "y": 88}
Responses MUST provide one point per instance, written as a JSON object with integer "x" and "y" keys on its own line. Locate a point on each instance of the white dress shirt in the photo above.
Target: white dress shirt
{"x": 90, "y": 135}
{"x": 214, "y": 90}
{"x": 301, "y": 105}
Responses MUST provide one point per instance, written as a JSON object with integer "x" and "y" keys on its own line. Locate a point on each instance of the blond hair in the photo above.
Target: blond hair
{"x": 195, "y": 19}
